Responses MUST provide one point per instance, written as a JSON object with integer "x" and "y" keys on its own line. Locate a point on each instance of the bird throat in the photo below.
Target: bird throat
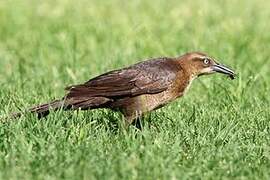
{"x": 189, "y": 82}
{"x": 185, "y": 80}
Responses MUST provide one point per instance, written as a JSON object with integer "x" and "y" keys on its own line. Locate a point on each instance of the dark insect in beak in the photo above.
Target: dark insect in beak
{"x": 224, "y": 70}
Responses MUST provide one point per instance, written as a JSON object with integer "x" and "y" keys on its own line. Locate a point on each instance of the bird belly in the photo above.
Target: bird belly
{"x": 133, "y": 107}
{"x": 150, "y": 102}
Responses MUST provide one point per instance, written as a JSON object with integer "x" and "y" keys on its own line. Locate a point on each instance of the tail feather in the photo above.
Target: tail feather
{"x": 83, "y": 103}
{"x": 41, "y": 110}
{"x": 44, "y": 109}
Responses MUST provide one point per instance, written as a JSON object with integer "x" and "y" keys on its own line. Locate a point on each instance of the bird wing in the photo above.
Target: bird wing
{"x": 149, "y": 77}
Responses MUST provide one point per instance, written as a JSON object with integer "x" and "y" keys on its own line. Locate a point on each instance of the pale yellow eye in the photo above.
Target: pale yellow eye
{"x": 206, "y": 61}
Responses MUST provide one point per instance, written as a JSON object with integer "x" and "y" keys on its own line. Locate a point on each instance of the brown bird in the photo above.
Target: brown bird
{"x": 137, "y": 89}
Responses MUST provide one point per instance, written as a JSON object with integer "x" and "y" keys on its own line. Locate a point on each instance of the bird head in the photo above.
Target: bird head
{"x": 197, "y": 64}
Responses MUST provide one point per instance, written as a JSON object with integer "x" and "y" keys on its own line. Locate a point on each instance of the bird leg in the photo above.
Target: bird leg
{"x": 134, "y": 118}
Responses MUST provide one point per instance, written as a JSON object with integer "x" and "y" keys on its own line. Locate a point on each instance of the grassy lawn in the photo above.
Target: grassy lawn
{"x": 219, "y": 130}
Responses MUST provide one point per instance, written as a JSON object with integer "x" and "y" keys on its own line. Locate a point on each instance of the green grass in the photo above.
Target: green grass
{"x": 219, "y": 130}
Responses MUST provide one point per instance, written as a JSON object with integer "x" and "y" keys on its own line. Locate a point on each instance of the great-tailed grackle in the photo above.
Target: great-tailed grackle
{"x": 137, "y": 89}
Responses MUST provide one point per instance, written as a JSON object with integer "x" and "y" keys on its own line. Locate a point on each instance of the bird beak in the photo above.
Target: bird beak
{"x": 224, "y": 70}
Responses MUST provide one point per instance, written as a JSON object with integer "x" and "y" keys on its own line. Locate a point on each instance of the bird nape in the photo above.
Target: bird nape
{"x": 137, "y": 89}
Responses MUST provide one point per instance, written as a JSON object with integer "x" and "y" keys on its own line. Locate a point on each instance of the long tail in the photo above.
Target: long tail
{"x": 83, "y": 103}
{"x": 43, "y": 109}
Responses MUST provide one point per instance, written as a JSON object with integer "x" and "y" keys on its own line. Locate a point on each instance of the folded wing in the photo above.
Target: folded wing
{"x": 149, "y": 77}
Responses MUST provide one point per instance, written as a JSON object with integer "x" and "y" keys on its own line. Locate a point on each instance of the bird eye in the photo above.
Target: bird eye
{"x": 206, "y": 61}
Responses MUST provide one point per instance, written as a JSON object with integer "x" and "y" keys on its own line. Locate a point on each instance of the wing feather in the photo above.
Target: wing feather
{"x": 152, "y": 76}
